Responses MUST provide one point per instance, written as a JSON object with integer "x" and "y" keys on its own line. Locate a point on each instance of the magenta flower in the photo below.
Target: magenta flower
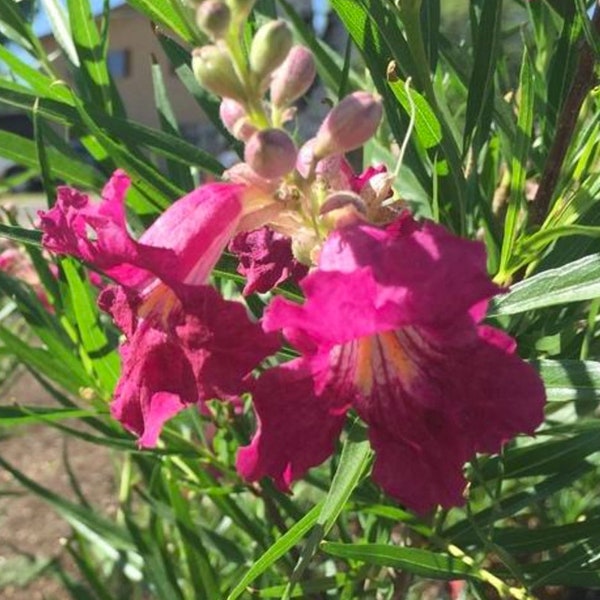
{"x": 390, "y": 328}
{"x": 266, "y": 259}
{"x": 185, "y": 344}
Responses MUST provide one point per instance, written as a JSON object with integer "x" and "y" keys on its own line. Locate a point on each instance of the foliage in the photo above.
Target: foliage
{"x": 486, "y": 135}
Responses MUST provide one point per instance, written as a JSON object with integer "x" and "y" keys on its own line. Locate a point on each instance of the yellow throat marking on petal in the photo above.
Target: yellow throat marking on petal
{"x": 160, "y": 301}
{"x": 379, "y": 358}
{"x": 364, "y": 368}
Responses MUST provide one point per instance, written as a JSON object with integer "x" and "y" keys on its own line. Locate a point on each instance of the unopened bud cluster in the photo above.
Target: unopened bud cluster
{"x": 258, "y": 83}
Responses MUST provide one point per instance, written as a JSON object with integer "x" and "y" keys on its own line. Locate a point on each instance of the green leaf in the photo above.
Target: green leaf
{"x": 156, "y": 568}
{"x": 42, "y": 155}
{"x": 578, "y": 566}
{"x": 427, "y": 126}
{"x": 93, "y": 69}
{"x": 24, "y": 152}
{"x": 512, "y": 504}
{"x": 306, "y": 589}
{"x": 121, "y": 130}
{"x": 19, "y": 415}
{"x": 544, "y": 458}
{"x": 277, "y": 550}
{"x": 520, "y": 153}
{"x": 168, "y": 123}
{"x": 61, "y": 29}
{"x": 12, "y": 18}
{"x": 45, "y": 362}
{"x": 41, "y": 84}
{"x": 355, "y": 458}
{"x": 30, "y": 237}
{"x": 353, "y": 462}
{"x": 433, "y": 565}
{"x": 528, "y": 541}
{"x": 567, "y": 380}
{"x": 96, "y": 344}
{"x": 170, "y": 14}
{"x": 481, "y": 86}
{"x": 574, "y": 282}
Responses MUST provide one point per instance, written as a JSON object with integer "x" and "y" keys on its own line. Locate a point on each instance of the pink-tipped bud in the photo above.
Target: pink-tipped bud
{"x": 234, "y": 117}
{"x": 214, "y": 71}
{"x": 213, "y": 18}
{"x": 293, "y": 78}
{"x": 271, "y": 153}
{"x": 270, "y": 46}
{"x": 348, "y": 125}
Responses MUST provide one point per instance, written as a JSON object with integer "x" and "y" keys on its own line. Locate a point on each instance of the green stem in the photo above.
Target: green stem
{"x": 253, "y": 102}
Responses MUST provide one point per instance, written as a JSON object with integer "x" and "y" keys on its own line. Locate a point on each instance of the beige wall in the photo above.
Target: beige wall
{"x": 129, "y": 30}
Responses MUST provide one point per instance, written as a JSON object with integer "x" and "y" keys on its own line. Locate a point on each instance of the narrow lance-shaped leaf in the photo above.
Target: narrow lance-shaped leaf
{"x": 574, "y": 282}
{"x": 520, "y": 152}
{"x": 427, "y": 126}
{"x": 481, "y": 86}
{"x": 434, "y": 565}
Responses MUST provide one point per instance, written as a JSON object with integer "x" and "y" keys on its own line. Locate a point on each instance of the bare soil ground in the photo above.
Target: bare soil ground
{"x": 30, "y": 531}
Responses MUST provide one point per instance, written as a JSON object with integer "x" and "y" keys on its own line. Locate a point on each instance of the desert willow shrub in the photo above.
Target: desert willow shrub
{"x": 303, "y": 344}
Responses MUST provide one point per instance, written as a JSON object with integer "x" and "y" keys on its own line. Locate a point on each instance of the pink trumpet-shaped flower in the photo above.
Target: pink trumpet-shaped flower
{"x": 390, "y": 328}
{"x": 184, "y": 343}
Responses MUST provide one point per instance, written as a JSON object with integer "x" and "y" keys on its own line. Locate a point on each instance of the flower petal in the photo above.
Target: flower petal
{"x": 266, "y": 259}
{"x": 503, "y": 394}
{"x": 182, "y": 245}
{"x": 221, "y": 343}
{"x": 433, "y": 276}
{"x": 156, "y": 383}
{"x": 203, "y": 347}
{"x": 421, "y": 464}
{"x": 296, "y": 429}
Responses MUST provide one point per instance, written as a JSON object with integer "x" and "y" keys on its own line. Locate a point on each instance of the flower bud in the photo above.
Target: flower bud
{"x": 271, "y": 153}
{"x": 213, "y": 18}
{"x": 214, "y": 71}
{"x": 348, "y": 125}
{"x": 234, "y": 117}
{"x": 293, "y": 78}
{"x": 270, "y": 46}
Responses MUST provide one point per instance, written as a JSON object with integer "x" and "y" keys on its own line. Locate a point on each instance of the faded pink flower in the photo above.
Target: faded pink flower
{"x": 185, "y": 344}
{"x": 390, "y": 328}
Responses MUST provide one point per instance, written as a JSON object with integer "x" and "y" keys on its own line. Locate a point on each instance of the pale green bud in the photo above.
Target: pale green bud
{"x": 213, "y": 18}
{"x": 214, "y": 71}
{"x": 270, "y": 46}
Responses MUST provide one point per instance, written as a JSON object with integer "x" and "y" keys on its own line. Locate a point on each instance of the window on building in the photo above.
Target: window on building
{"x": 118, "y": 63}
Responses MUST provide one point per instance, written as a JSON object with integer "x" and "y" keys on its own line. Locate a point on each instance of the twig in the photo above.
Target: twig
{"x": 583, "y": 82}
